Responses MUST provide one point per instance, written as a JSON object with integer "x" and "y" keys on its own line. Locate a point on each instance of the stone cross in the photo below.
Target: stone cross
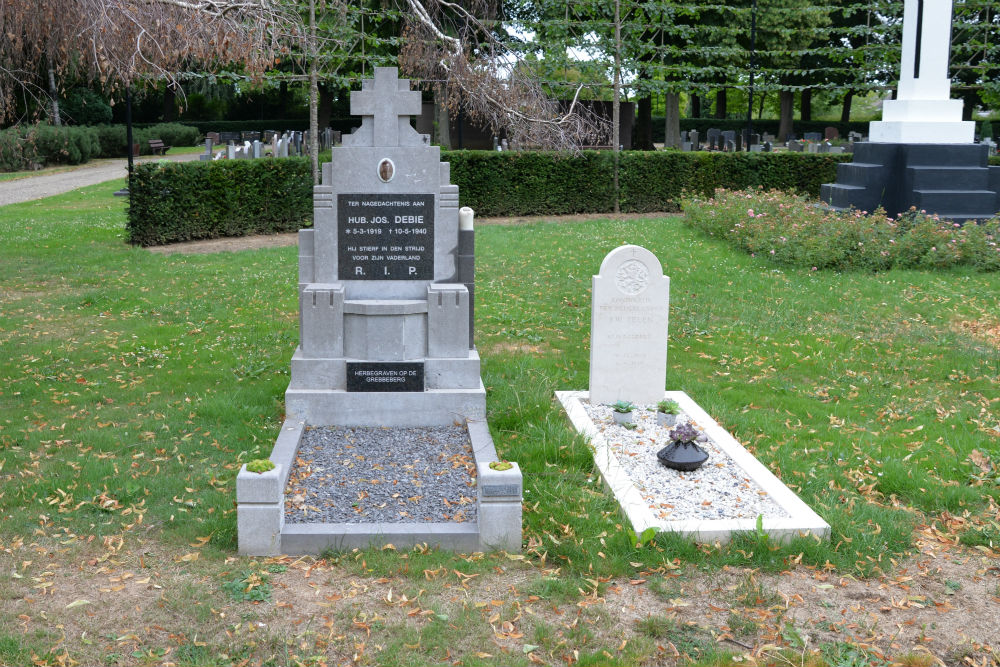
{"x": 926, "y": 47}
{"x": 386, "y": 99}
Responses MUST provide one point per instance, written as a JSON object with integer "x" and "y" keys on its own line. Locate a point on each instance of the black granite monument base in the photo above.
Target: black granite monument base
{"x": 952, "y": 180}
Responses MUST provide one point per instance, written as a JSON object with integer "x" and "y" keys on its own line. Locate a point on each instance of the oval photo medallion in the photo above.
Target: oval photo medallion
{"x": 386, "y": 170}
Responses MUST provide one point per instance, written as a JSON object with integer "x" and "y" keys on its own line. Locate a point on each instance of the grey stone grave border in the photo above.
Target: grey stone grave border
{"x": 262, "y": 530}
{"x": 802, "y": 519}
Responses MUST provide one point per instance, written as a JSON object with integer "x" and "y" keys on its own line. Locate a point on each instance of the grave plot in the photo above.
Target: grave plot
{"x": 729, "y": 492}
{"x": 386, "y": 358}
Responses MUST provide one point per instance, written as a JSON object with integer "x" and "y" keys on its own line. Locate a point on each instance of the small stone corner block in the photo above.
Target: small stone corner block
{"x": 500, "y": 493}
{"x": 258, "y": 529}
{"x": 322, "y": 314}
{"x": 259, "y": 511}
{"x": 259, "y": 487}
{"x": 447, "y": 321}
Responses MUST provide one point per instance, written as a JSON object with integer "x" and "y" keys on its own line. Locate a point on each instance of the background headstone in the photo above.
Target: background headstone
{"x": 628, "y": 330}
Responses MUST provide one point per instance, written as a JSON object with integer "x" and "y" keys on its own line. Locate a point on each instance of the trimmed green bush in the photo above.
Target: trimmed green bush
{"x": 345, "y": 124}
{"x": 201, "y": 200}
{"x": 185, "y": 201}
{"x": 539, "y": 183}
{"x": 533, "y": 182}
{"x": 113, "y": 142}
{"x": 33, "y": 146}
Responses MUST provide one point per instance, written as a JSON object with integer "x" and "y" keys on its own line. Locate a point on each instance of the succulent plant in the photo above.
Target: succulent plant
{"x": 622, "y": 406}
{"x": 684, "y": 433}
{"x": 668, "y": 407}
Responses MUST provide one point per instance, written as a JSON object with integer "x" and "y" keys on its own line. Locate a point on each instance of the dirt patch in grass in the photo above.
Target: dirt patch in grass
{"x": 237, "y": 244}
{"x": 140, "y": 601}
{"x": 985, "y": 329}
{"x": 229, "y": 244}
{"x": 514, "y": 347}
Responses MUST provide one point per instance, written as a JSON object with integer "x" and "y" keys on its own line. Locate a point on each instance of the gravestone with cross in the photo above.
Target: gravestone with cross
{"x": 385, "y": 279}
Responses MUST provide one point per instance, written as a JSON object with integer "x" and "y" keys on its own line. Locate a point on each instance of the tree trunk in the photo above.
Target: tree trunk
{"x": 845, "y": 109}
{"x": 642, "y": 139}
{"x": 695, "y": 106}
{"x": 971, "y": 100}
{"x": 806, "y": 105}
{"x": 720, "y": 104}
{"x": 786, "y": 99}
{"x": 616, "y": 108}
{"x": 672, "y": 121}
{"x": 442, "y": 121}
{"x": 325, "y": 106}
{"x": 54, "y": 94}
{"x": 313, "y": 95}
{"x": 170, "y": 103}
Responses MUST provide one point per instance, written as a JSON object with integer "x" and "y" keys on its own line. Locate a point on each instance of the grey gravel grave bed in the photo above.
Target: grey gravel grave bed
{"x": 718, "y": 490}
{"x": 382, "y": 475}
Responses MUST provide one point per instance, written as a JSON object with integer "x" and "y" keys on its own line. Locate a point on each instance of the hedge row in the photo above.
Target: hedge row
{"x": 33, "y": 146}
{"x": 538, "y": 183}
{"x": 199, "y": 200}
{"x": 280, "y": 124}
{"x": 186, "y": 201}
{"x": 113, "y": 137}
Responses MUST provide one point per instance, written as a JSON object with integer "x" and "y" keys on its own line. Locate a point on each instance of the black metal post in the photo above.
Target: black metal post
{"x": 753, "y": 64}
{"x": 124, "y": 192}
{"x": 128, "y": 129}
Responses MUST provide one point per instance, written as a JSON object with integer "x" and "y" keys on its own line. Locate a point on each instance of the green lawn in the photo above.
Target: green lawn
{"x": 133, "y": 385}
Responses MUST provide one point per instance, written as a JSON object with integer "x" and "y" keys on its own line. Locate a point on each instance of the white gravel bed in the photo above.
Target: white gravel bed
{"x": 719, "y": 489}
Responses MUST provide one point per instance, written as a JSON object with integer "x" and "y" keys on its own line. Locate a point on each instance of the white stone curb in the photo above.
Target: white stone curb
{"x": 802, "y": 519}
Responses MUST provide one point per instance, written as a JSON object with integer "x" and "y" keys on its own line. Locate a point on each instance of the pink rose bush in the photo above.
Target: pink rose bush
{"x": 793, "y": 230}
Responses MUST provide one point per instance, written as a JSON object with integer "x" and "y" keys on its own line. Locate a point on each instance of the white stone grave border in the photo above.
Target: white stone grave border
{"x": 802, "y": 519}
{"x": 260, "y": 509}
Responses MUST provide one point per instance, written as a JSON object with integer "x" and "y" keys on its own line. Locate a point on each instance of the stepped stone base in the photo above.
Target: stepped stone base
{"x": 952, "y": 180}
{"x": 434, "y": 407}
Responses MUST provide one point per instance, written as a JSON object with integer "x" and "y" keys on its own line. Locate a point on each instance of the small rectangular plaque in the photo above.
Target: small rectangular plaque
{"x": 500, "y": 489}
{"x": 385, "y": 237}
{"x": 385, "y": 376}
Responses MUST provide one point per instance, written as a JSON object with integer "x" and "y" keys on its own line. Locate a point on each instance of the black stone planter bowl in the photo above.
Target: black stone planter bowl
{"x": 683, "y": 456}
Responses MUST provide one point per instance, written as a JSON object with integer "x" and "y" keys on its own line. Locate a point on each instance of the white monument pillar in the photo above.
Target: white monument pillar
{"x": 923, "y": 112}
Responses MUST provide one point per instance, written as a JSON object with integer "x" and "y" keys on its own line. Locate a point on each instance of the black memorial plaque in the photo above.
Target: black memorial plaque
{"x": 385, "y": 237}
{"x": 385, "y": 376}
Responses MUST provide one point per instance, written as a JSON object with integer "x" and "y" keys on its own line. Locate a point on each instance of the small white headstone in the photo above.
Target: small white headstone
{"x": 628, "y": 328}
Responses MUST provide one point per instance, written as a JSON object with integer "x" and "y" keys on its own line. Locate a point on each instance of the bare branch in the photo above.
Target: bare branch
{"x": 493, "y": 86}
{"x": 119, "y": 41}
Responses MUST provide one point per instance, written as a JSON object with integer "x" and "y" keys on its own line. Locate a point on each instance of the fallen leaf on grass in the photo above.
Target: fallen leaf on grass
{"x": 187, "y": 558}
{"x": 77, "y": 603}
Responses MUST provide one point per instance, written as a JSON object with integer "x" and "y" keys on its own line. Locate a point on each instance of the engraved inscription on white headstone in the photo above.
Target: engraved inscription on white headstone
{"x": 628, "y": 337}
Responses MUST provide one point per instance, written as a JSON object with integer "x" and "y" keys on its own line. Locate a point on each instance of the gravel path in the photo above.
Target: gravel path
{"x": 92, "y": 173}
{"x": 382, "y": 475}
